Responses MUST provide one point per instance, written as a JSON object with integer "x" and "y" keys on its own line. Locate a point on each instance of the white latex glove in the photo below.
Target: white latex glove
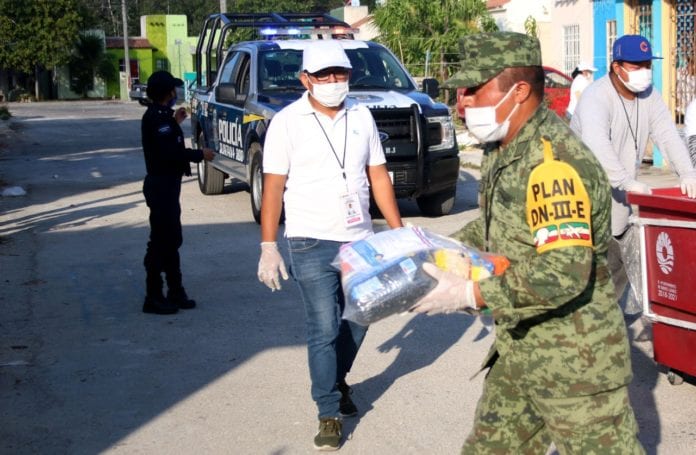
{"x": 271, "y": 266}
{"x": 688, "y": 187}
{"x": 452, "y": 293}
{"x": 634, "y": 186}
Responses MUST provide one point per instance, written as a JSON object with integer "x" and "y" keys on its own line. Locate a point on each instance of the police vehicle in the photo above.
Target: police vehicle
{"x": 242, "y": 84}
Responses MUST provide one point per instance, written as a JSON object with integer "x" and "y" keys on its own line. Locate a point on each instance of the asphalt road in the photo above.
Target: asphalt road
{"x": 83, "y": 371}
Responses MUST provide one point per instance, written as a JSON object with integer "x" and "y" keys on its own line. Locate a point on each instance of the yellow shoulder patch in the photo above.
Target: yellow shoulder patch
{"x": 558, "y": 207}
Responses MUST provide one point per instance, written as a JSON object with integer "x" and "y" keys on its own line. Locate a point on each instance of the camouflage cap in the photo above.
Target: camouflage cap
{"x": 484, "y": 55}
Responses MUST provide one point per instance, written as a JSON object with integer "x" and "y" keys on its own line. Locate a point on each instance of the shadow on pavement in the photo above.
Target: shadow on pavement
{"x": 420, "y": 343}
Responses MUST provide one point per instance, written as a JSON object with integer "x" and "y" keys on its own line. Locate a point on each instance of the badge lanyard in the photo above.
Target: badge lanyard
{"x": 350, "y": 202}
{"x": 634, "y": 134}
{"x": 341, "y": 163}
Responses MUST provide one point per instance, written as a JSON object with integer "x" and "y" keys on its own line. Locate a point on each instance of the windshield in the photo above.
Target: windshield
{"x": 373, "y": 69}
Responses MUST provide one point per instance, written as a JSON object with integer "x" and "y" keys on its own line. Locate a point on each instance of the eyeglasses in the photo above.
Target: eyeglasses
{"x": 340, "y": 74}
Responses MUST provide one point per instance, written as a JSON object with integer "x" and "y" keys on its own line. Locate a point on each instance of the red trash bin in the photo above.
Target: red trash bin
{"x": 667, "y": 222}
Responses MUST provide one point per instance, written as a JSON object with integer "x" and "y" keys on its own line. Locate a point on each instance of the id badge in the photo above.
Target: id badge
{"x": 352, "y": 214}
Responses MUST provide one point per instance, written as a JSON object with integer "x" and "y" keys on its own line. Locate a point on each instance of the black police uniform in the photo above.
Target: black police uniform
{"x": 167, "y": 160}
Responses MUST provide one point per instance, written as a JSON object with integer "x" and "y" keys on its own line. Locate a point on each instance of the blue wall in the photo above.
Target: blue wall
{"x": 604, "y": 11}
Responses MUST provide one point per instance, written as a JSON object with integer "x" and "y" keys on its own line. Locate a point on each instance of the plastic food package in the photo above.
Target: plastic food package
{"x": 383, "y": 275}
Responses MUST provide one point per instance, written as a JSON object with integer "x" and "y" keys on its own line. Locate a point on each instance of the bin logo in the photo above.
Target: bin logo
{"x": 665, "y": 253}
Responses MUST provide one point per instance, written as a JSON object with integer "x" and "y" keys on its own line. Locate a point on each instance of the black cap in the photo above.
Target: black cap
{"x": 160, "y": 83}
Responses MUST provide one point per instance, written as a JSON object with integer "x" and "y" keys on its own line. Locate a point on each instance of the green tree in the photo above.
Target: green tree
{"x": 37, "y": 34}
{"x": 88, "y": 60}
{"x": 415, "y": 28}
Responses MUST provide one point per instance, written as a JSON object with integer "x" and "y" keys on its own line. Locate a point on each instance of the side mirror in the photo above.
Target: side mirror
{"x": 431, "y": 87}
{"x": 227, "y": 93}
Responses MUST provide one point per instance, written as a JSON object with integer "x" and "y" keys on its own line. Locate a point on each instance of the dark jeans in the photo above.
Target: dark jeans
{"x": 162, "y": 255}
{"x": 332, "y": 342}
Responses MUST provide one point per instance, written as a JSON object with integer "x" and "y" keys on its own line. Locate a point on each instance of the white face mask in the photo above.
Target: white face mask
{"x": 638, "y": 80}
{"x": 481, "y": 122}
{"x": 331, "y": 94}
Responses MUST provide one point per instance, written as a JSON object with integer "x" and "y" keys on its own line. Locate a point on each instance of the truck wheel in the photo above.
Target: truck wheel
{"x": 256, "y": 185}
{"x": 437, "y": 204}
{"x": 210, "y": 180}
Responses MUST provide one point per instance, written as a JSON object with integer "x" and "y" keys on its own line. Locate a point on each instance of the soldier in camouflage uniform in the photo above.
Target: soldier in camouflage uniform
{"x": 560, "y": 365}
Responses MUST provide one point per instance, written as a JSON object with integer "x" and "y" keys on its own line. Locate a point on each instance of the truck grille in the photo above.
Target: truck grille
{"x": 400, "y": 128}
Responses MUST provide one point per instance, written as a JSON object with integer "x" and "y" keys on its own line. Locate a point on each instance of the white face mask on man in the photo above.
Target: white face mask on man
{"x": 638, "y": 80}
{"x": 330, "y": 94}
{"x": 482, "y": 124}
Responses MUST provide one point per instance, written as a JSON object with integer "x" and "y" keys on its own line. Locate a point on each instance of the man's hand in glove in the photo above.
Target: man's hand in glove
{"x": 688, "y": 186}
{"x": 452, "y": 293}
{"x": 271, "y": 266}
{"x": 634, "y": 186}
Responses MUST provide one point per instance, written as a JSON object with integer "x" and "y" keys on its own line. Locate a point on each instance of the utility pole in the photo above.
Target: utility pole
{"x": 223, "y": 6}
{"x": 126, "y": 58}
{"x": 178, "y": 43}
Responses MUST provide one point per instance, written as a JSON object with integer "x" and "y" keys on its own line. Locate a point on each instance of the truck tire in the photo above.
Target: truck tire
{"x": 437, "y": 204}
{"x": 256, "y": 182}
{"x": 210, "y": 180}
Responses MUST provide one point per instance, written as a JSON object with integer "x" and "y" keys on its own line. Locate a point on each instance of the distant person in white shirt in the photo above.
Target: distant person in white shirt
{"x": 584, "y": 77}
{"x": 615, "y": 117}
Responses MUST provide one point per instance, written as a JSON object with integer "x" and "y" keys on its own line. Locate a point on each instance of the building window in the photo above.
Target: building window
{"x": 685, "y": 87}
{"x": 161, "y": 64}
{"x": 611, "y": 37}
{"x": 644, "y": 19}
{"x": 571, "y": 46}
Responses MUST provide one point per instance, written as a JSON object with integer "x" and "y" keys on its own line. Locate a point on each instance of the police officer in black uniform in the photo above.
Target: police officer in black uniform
{"x": 167, "y": 159}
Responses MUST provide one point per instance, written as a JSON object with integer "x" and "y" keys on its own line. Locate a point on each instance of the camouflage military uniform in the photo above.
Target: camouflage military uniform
{"x": 561, "y": 359}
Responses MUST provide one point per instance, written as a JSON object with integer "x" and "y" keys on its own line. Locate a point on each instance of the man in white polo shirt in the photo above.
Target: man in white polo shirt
{"x": 321, "y": 155}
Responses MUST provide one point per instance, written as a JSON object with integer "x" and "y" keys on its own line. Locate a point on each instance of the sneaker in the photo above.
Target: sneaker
{"x": 329, "y": 436}
{"x": 346, "y": 406}
{"x": 180, "y": 299}
{"x": 158, "y": 305}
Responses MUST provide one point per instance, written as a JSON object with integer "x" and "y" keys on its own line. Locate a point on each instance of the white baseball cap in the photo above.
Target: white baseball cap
{"x": 321, "y": 54}
{"x": 584, "y": 66}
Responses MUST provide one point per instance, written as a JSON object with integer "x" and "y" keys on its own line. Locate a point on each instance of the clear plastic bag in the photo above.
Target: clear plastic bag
{"x": 383, "y": 275}
{"x": 630, "y": 254}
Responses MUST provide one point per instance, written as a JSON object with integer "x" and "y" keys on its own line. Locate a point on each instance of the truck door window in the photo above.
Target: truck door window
{"x": 243, "y": 75}
{"x": 236, "y": 71}
{"x": 227, "y": 74}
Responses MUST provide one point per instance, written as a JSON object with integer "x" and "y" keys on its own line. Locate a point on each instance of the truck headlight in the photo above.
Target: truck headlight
{"x": 440, "y": 133}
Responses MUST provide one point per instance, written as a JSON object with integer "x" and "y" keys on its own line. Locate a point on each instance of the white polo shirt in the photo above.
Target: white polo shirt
{"x": 312, "y": 160}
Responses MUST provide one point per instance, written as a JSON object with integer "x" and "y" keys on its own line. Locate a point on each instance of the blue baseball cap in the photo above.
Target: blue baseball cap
{"x": 633, "y": 48}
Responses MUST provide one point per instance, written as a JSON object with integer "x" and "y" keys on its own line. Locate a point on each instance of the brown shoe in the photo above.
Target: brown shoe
{"x": 329, "y": 436}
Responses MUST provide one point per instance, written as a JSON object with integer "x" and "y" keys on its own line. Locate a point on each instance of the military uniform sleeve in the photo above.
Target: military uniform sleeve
{"x": 568, "y": 218}
{"x": 471, "y": 234}
{"x": 543, "y": 283}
